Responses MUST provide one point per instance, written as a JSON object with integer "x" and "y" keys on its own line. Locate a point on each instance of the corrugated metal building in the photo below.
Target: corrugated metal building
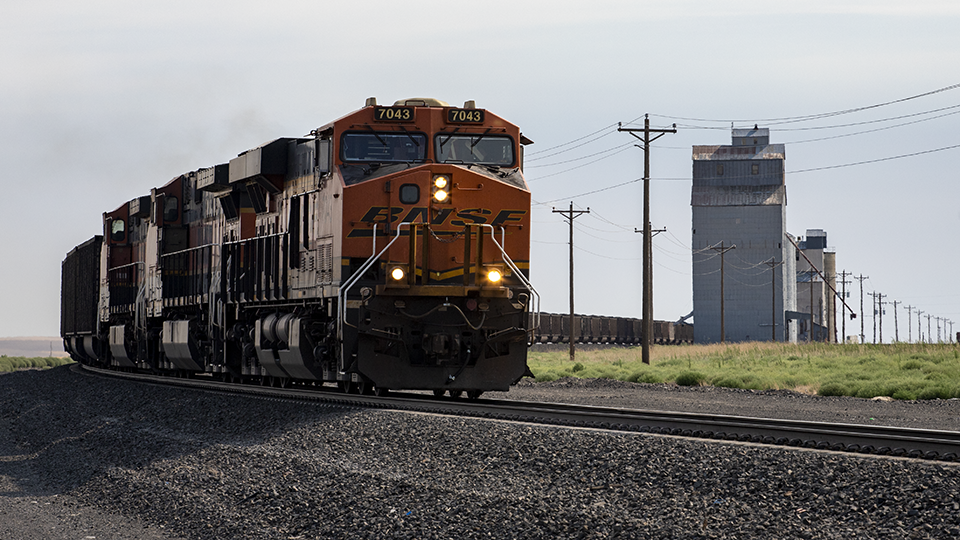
{"x": 739, "y": 198}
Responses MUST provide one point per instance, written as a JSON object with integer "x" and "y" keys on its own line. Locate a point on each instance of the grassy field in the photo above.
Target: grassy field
{"x": 900, "y": 371}
{"x": 13, "y": 363}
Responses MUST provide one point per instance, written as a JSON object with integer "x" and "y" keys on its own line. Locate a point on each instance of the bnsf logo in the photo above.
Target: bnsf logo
{"x": 444, "y": 216}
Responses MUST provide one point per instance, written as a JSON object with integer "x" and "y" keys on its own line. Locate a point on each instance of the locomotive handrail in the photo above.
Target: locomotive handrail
{"x": 342, "y": 294}
{"x": 211, "y": 245}
{"x": 258, "y": 237}
{"x": 523, "y": 279}
{"x": 122, "y": 266}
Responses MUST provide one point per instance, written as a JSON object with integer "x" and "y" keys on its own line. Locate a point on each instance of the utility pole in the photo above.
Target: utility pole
{"x": 810, "y": 333}
{"x": 862, "y": 277}
{"x": 873, "y": 303}
{"x": 825, "y": 309}
{"x": 919, "y": 331}
{"x": 647, "y": 234}
{"x": 722, "y": 250}
{"x": 649, "y": 276}
{"x": 843, "y": 316}
{"x": 896, "y": 328}
{"x": 571, "y": 215}
{"x": 880, "y": 304}
{"x": 909, "y": 324}
{"x": 773, "y": 264}
{"x": 939, "y": 339}
{"x": 929, "y": 332}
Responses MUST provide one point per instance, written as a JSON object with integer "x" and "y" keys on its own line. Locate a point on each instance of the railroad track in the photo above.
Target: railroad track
{"x": 881, "y": 440}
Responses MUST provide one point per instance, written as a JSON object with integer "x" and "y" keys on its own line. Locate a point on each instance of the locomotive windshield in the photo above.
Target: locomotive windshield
{"x": 383, "y": 147}
{"x": 475, "y": 148}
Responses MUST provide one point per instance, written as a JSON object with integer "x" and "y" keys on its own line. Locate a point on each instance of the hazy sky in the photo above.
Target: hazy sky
{"x": 102, "y": 100}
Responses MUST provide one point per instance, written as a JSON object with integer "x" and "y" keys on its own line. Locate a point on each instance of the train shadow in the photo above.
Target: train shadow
{"x": 60, "y": 428}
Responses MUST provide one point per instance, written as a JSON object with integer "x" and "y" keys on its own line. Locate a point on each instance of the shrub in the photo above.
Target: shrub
{"x": 934, "y": 392}
{"x": 905, "y": 394}
{"x": 690, "y": 378}
{"x": 912, "y": 364}
{"x": 644, "y": 377}
{"x": 547, "y": 376}
{"x": 577, "y": 367}
{"x": 873, "y": 390}
{"x": 728, "y": 382}
{"x": 834, "y": 389}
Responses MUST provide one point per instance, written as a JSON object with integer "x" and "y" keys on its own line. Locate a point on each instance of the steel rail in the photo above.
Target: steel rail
{"x": 857, "y": 438}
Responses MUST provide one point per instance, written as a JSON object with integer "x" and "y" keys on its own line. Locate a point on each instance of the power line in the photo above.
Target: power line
{"x": 850, "y": 124}
{"x": 573, "y": 141}
{"x": 794, "y": 119}
{"x": 610, "y": 155}
{"x": 876, "y": 160}
{"x": 799, "y": 171}
{"x": 581, "y": 158}
{"x": 635, "y": 180}
{"x": 871, "y": 130}
{"x": 539, "y": 157}
{"x": 566, "y": 147}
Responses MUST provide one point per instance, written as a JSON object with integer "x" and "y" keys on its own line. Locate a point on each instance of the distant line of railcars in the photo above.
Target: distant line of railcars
{"x": 555, "y": 328}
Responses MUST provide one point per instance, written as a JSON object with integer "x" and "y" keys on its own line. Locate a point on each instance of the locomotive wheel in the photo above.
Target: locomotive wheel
{"x": 365, "y": 388}
{"x": 381, "y": 392}
{"x": 439, "y": 393}
{"x": 456, "y": 393}
{"x": 474, "y": 394}
{"x": 347, "y": 387}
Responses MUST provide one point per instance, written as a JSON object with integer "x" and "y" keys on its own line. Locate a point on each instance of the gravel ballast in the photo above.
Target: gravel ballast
{"x": 83, "y": 457}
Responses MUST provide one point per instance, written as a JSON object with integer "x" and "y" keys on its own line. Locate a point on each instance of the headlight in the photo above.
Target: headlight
{"x": 494, "y": 275}
{"x": 397, "y": 273}
{"x": 441, "y": 188}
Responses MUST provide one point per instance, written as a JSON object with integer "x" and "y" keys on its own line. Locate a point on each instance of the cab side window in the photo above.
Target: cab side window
{"x": 171, "y": 208}
{"x": 117, "y": 230}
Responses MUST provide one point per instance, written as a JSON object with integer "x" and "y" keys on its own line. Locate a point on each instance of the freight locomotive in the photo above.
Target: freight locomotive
{"x": 388, "y": 249}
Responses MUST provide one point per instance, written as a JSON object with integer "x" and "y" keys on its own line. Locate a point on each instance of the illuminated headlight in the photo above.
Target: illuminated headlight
{"x": 494, "y": 275}
{"x": 440, "y": 182}
{"x": 440, "y": 195}
{"x": 397, "y": 273}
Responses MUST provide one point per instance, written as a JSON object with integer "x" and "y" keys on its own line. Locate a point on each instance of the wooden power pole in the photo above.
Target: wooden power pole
{"x": 773, "y": 264}
{"x": 571, "y": 215}
{"x": 722, "y": 250}
{"x": 647, "y": 234}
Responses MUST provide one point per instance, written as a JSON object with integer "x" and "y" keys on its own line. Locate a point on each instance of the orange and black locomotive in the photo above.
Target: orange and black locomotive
{"x": 388, "y": 249}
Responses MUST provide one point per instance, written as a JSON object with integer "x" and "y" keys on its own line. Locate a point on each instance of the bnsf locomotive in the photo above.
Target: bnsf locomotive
{"x": 388, "y": 249}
